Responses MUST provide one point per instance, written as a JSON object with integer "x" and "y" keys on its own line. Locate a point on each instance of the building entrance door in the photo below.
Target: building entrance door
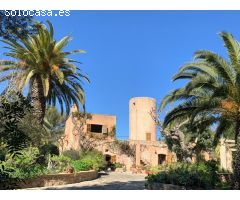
{"x": 161, "y": 159}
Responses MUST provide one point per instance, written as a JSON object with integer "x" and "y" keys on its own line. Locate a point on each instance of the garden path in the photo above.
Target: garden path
{"x": 107, "y": 181}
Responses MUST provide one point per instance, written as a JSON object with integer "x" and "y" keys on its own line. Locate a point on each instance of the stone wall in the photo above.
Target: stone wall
{"x": 59, "y": 179}
{"x": 227, "y": 147}
{"x": 162, "y": 186}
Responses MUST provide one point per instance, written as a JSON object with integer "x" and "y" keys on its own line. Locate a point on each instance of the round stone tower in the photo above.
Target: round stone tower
{"x": 141, "y": 124}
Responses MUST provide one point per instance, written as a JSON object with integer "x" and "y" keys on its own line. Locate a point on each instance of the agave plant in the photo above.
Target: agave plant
{"x": 41, "y": 64}
{"x": 212, "y": 94}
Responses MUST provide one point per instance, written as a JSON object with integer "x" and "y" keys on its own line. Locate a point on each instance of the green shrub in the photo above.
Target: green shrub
{"x": 94, "y": 157}
{"x": 45, "y": 150}
{"x": 155, "y": 169}
{"x": 7, "y": 181}
{"x": 73, "y": 154}
{"x": 118, "y": 165}
{"x": 191, "y": 176}
{"x": 12, "y": 109}
{"x": 3, "y": 153}
{"x": 51, "y": 149}
{"x": 24, "y": 164}
{"x": 60, "y": 163}
{"x": 89, "y": 160}
{"x": 82, "y": 165}
{"x": 29, "y": 172}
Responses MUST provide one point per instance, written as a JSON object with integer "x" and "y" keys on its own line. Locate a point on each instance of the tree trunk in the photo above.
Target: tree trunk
{"x": 38, "y": 100}
{"x": 236, "y": 166}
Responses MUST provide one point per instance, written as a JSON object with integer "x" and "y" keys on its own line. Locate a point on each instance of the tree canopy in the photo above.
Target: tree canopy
{"x": 15, "y": 26}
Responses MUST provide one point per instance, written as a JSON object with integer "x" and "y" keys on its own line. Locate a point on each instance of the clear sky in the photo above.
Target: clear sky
{"x": 135, "y": 53}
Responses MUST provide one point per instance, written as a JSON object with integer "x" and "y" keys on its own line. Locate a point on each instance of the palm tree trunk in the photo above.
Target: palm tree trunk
{"x": 38, "y": 100}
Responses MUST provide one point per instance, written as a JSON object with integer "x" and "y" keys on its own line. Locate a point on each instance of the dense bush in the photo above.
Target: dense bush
{"x": 90, "y": 160}
{"x": 60, "y": 163}
{"x": 118, "y": 165}
{"x": 73, "y": 154}
{"x": 80, "y": 162}
{"x": 154, "y": 169}
{"x": 36, "y": 133}
{"x": 3, "y": 153}
{"x": 7, "y": 181}
{"x": 191, "y": 176}
{"x": 86, "y": 161}
{"x": 51, "y": 149}
{"x": 93, "y": 158}
{"x": 24, "y": 164}
{"x": 82, "y": 165}
{"x": 12, "y": 110}
{"x": 45, "y": 151}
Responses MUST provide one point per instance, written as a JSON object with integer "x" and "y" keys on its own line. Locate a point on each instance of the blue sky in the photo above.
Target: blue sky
{"x": 135, "y": 53}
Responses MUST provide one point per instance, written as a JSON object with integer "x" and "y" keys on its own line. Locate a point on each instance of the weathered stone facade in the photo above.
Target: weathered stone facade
{"x": 142, "y": 139}
{"x": 59, "y": 179}
{"x": 149, "y": 151}
{"x": 227, "y": 147}
{"x": 153, "y": 153}
{"x": 96, "y": 129}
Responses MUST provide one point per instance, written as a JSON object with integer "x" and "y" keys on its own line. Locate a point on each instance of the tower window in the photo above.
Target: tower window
{"x": 148, "y": 136}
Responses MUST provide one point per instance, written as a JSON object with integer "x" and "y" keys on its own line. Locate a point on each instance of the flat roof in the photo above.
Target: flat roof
{"x": 107, "y": 115}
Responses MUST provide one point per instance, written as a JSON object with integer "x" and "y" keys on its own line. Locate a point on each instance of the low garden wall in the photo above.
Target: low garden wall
{"x": 59, "y": 179}
{"x": 163, "y": 186}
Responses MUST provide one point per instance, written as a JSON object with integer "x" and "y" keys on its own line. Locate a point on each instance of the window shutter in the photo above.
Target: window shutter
{"x": 104, "y": 129}
{"x": 113, "y": 159}
{"x": 88, "y": 127}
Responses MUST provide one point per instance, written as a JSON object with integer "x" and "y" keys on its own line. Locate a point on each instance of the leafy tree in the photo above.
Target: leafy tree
{"x": 18, "y": 127}
{"x": 12, "y": 110}
{"x": 212, "y": 95}
{"x": 54, "y": 123}
{"x": 15, "y": 27}
{"x": 36, "y": 133}
{"x": 183, "y": 139}
{"x": 50, "y": 132}
{"x": 43, "y": 65}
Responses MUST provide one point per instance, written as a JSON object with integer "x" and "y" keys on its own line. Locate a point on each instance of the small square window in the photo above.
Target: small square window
{"x": 96, "y": 128}
{"x": 148, "y": 136}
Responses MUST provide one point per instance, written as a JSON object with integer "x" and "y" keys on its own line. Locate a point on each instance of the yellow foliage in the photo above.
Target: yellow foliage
{"x": 229, "y": 105}
{"x": 22, "y": 64}
{"x": 55, "y": 68}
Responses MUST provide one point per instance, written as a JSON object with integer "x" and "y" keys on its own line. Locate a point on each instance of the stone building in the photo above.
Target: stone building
{"x": 149, "y": 151}
{"x": 227, "y": 149}
{"x": 99, "y": 131}
{"x": 96, "y": 127}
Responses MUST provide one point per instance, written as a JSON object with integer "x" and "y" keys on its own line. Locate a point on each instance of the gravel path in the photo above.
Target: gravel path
{"x": 107, "y": 181}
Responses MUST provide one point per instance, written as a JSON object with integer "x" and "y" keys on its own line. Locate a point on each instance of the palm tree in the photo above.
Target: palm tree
{"x": 41, "y": 63}
{"x": 212, "y": 94}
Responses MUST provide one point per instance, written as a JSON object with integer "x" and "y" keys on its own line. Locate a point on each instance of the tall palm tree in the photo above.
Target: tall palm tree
{"x": 212, "y": 94}
{"x": 41, "y": 63}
